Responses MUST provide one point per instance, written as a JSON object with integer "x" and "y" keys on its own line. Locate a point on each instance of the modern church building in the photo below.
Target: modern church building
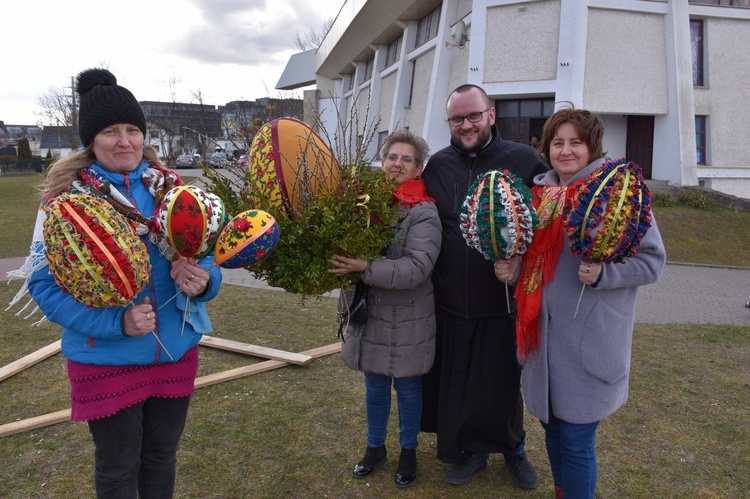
{"x": 667, "y": 77}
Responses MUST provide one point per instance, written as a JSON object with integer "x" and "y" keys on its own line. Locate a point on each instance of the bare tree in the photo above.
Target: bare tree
{"x": 58, "y": 109}
{"x": 312, "y": 39}
{"x": 205, "y": 124}
{"x": 166, "y": 117}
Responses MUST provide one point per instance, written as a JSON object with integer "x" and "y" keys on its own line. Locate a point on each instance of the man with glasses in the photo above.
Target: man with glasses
{"x": 472, "y": 396}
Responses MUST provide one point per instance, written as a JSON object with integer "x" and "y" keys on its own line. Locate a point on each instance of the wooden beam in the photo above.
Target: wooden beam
{"x": 29, "y": 360}
{"x": 241, "y": 372}
{"x": 258, "y": 351}
{"x": 211, "y": 379}
{"x": 33, "y": 423}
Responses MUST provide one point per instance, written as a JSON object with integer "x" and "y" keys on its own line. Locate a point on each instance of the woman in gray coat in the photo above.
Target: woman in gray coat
{"x": 397, "y": 343}
{"x": 575, "y": 365}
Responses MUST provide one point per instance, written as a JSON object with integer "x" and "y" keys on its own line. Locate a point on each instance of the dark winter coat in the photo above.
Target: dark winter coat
{"x": 398, "y": 339}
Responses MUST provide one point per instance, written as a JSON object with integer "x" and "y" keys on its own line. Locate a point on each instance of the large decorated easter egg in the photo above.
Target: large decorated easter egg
{"x": 497, "y": 218}
{"x": 191, "y": 219}
{"x": 610, "y": 213}
{"x": 291, "y": 165}
{"x": 246, "y": 239}
{"x": 93, "y": 252}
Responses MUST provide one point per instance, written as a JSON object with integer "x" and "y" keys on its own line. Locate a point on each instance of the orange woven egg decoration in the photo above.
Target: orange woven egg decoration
{"x": 292, "y": 164}
{"x": 93, "y": 252}
{"x": 246, "y": 239}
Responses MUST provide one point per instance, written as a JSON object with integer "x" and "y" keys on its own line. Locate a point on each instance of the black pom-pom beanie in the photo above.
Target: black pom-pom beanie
{"x": 103, "y": 103}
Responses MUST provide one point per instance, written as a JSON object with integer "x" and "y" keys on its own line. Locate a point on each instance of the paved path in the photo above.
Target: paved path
{"x": 684, "y": 294}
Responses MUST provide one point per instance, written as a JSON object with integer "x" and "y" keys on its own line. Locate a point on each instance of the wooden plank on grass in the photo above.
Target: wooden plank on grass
{"x": 211, "y": 379}
{"x": 241, "y": 372}
{"x": 49, "y": 419}
{"x": 258, "y": 351}
{"x": 29, "y": 360}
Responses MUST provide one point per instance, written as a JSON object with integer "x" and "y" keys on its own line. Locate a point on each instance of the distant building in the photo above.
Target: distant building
{"x": 59, "y": 141}
{"x": 658, "y": 73}
{"x": 175, "y": 128}
{"x": 241, "y": 119}
{"x": 11, "y": 134}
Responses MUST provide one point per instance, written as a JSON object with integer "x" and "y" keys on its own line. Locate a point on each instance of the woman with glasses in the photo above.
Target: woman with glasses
{"x": 397, "y": 343}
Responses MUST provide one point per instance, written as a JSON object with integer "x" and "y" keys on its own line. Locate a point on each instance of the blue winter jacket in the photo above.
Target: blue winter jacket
{"x": 94, "y": 335}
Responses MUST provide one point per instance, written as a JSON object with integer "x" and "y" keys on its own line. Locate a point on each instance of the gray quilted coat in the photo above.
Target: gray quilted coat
{"x": 582, "y": 367}
{"x": 398, "y": 339}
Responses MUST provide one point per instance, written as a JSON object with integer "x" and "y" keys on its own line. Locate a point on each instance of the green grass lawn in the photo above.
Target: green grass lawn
{"x": 297, "y": 431}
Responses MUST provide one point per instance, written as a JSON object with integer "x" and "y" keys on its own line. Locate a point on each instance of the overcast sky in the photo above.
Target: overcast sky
{"x": 227, "y": 49}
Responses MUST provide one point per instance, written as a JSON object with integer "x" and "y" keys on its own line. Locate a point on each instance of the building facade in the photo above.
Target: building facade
{"x": 11, "y": 134}
{"x": 666, "y": 76}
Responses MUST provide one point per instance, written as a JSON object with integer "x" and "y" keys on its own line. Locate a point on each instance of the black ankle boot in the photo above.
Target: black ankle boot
{"x": 373, "y": 457}
{"x": 407, "y": 468}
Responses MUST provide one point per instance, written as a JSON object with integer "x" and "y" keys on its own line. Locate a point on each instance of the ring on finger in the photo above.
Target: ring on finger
{"x": 191, "y": 277}
{"x": 148, "y": 317}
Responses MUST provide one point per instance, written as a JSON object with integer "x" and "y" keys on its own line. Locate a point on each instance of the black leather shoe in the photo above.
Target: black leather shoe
{"x": 407, "y": 468}
{"x": 373, "y": 457}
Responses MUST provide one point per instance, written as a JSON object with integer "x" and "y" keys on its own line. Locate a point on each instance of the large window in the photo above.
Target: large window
{"x": 381, "y": 138}
{"x": 368, "y": 70}
{"x": 428, "y": 27}
{"x": 700, "y": 139}
{"x": 529, "y": 108}
{"x": 393, "y": 53}
{"x": 696, "y": 47}
{"x": 727, "y": 3}
{"x": 411, "y": 83}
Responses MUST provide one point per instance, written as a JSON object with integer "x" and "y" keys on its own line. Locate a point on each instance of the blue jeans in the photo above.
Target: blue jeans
{"x": 572, "y": 456}
{"x": 378, "y": 401}
{"x": 136, "y": 448}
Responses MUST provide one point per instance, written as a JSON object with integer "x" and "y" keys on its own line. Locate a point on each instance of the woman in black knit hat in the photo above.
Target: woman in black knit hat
{"x": 131, "y": 368}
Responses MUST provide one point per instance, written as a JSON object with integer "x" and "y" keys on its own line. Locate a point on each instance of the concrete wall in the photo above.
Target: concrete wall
{"x": 626, "y": 66}
{"x": 422, "y": 80}
{"x": 387, "y": 92}
{"x": 521, "y": 42}
{"x": 726, "y": 98}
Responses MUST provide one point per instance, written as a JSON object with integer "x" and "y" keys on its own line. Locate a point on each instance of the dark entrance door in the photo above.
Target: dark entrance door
{"x": 639, "y": 145}
{"x": 514, "y": 129}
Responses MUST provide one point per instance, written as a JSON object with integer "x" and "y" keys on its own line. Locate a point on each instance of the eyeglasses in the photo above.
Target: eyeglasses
{"x": 457, "y": 121}
{"x": 407, "y": 160}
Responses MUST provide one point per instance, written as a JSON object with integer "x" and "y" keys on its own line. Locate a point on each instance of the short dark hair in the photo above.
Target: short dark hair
{"x": 589, "y": 128}
{"x": 405, "y": 136}
{"x": 467, "y": 87}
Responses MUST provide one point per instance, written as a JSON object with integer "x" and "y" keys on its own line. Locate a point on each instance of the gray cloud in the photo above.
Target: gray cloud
{"x": 251, "y": 32}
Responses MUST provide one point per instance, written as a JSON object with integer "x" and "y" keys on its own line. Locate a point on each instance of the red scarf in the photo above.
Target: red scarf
{"x": 539, "y": 262}
{"x": 411, "y": 192}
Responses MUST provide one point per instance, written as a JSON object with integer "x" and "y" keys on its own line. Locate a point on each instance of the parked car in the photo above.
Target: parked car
{"x": 219, "y": 160}
{"x": 242, "y": 160}
{"x": 185, "y": 161}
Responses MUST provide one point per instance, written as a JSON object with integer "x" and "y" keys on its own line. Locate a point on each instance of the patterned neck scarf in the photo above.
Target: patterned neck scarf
{"x": 411, "y": 192}
{"x": 157, "y": 180}
{"x": 539, "y": 262}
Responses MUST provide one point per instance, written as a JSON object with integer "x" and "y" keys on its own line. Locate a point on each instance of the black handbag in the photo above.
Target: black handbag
{"x": 352, "y": 306}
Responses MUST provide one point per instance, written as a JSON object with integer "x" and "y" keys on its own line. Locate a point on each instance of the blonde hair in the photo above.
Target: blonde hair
{"x": 64, "y": 171}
